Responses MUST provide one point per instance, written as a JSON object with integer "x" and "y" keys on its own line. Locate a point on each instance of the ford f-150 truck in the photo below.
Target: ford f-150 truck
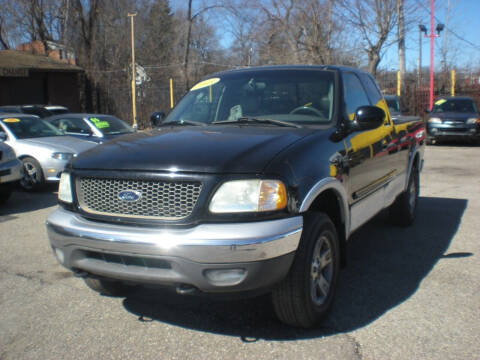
{"x": 253, "y": 183}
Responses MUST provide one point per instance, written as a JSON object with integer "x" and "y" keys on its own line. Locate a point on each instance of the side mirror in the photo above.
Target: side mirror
{"x": 3, "y": 136}
{"x": 369, "y": 117}
{"x": 157, "y": 118}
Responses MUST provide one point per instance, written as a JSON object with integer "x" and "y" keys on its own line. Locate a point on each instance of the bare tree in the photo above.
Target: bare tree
{"x": 375, "y": 20}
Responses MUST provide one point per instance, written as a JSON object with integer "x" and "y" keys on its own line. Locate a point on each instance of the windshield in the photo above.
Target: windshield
{"x": 393, "y": 105}
{"x": 110, "y": 125}
{"x": 27, "y": 128}
{"x": 455, "y": 105}
{"x": 296, "y": 96}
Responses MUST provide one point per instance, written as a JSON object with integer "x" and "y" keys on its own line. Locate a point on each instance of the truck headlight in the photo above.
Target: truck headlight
{"x": 249, "y": 196}
{"x": 473, "y": 121}
{"x": 65, "y": 188}
{"x": 62, "y": 156}
{"x": 435, "y": 120}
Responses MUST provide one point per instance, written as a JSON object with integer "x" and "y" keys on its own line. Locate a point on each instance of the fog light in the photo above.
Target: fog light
{"x": 59, "y": 255}
{"x": 225, "y": 277}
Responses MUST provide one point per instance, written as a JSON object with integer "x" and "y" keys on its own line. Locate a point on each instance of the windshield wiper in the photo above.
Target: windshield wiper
{"x": 246, "y": 119}
{"x": 183, "y": 122}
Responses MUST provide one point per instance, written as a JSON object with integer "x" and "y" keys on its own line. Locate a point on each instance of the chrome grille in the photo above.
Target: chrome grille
{"x": 157, "y": 199}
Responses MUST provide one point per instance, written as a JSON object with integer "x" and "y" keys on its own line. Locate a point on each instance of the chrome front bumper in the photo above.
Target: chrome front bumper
{"x": 186, "y": 253}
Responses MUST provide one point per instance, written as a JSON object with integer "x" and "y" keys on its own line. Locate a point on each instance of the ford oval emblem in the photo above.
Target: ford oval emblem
{"x": 130, "y": 195}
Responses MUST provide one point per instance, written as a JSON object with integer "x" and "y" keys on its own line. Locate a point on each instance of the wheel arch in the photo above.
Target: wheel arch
{"x": 329, "y": 196}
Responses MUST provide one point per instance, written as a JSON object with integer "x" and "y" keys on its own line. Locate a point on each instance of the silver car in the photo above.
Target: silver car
{"x": 11, "y": 170}
{"x": 43, "y": 149}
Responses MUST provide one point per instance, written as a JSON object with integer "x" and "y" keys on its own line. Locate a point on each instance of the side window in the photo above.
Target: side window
{"x": 354, "y": 94}
{"x": 72, "y": 125}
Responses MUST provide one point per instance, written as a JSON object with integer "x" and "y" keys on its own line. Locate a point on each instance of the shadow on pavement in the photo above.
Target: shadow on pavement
{"x": 21, "y": 201}
{"x": 386, "y": 265}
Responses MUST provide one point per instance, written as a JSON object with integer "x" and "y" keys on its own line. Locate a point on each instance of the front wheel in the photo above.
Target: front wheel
{"x": 32, "y": 174}
{"x": 304, "y": 297}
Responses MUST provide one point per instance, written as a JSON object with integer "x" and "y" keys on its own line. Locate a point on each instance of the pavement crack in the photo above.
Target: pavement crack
{"x": 357, "y": 348}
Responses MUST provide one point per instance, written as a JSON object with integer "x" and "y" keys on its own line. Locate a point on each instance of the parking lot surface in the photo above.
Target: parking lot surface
{"x": 407, "y": 293}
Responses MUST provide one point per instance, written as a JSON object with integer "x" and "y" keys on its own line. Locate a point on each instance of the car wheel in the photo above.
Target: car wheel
{"x": 108, "y": 287}
{"x": 304, "y": 297}
{"x": 5, "y": 192}
{"x": 32, "y": 175}
{"x": 402, "y": 211}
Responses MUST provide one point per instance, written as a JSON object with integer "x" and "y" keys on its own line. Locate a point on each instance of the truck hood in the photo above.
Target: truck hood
{"x": 213, "y": 149}
{"x": 69, "y": 144}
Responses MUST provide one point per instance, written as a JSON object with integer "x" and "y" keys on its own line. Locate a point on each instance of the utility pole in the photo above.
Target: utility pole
{"x": 134, "y": 110}
{"x": 401, "y": 44}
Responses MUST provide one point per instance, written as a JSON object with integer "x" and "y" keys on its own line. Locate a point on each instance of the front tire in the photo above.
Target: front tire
{"x": 33, "y": 178}
{"x": 304, "y": 297}
{"x": 5, "y": 193}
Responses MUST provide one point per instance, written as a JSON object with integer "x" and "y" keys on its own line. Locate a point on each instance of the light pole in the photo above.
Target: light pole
{"x": 134, "y": 110}
{"x": 432, "y": 37}
{"x": 422, "y": 29}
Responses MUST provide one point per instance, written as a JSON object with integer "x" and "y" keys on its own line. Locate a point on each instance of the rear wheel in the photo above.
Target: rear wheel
{"x": 32, "y": 175}
{"x": 402, "y": 211}
{"x": 304, "y": 297}
{"x": 108, "y": 287}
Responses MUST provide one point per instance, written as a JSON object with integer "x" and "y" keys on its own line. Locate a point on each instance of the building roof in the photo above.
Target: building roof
{"x": 13, "y": 59}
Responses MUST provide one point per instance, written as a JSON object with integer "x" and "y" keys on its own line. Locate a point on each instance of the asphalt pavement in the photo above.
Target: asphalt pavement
{"x": 407, "y": 293}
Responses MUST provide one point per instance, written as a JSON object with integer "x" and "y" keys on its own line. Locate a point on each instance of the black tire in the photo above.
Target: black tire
{"x": 33, "y": 178}
{"x": 108, "y": 287}
{"x": 299, "y": 299}
{"x": 5, "y": 193}
{"x": 402, "y": 212}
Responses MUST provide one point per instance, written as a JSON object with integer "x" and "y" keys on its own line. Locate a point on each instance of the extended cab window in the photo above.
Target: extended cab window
{"x": 298, "y": 96}
{"x": 354, "y": 94}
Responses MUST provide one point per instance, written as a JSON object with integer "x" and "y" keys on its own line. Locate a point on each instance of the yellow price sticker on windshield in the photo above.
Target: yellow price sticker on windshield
{"x": 440, "y": 102}
{"x": 11, "y": 120}
{"x": 205, "y": 83}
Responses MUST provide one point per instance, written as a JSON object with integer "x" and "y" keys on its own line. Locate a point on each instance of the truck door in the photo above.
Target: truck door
{"x": 367, "y": 154}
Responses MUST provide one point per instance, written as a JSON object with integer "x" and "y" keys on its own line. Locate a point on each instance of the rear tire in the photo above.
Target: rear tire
{"x": 402, "y": 212}
{"x": 304, "y": 297}
{"x": 108, "y": 287}
{"x": 33, "y": 178}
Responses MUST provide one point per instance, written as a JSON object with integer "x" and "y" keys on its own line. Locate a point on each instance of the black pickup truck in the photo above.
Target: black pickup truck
{"x": 253, "y": 183}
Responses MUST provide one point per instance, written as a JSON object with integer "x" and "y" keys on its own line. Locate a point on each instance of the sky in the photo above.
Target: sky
{"x": 464, "y": 20}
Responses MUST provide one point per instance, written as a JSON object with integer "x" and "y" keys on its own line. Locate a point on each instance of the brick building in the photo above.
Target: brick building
{"x": 26, "y": 78}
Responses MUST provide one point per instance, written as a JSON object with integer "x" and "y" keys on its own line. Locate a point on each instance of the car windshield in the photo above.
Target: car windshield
{"x": 393, "y": 105}
{"x": 110, "y": 125}
{"x": 301, "y": 97}
{"x": 30, "y": 127}
{"x": 455, "y": 105}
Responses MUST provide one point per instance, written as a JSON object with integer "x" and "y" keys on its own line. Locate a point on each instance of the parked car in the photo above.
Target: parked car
{"x": 57, "y": 109}
{"x": 43, "y": 149}
{"x": 94, "y": 127}
{"x": 252, "y": 184}
{"x": 393, "y": 103}
{"x": 11, "y": 169}
{"x": 453, "y": 118}
{"x": 37, "y": 110}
